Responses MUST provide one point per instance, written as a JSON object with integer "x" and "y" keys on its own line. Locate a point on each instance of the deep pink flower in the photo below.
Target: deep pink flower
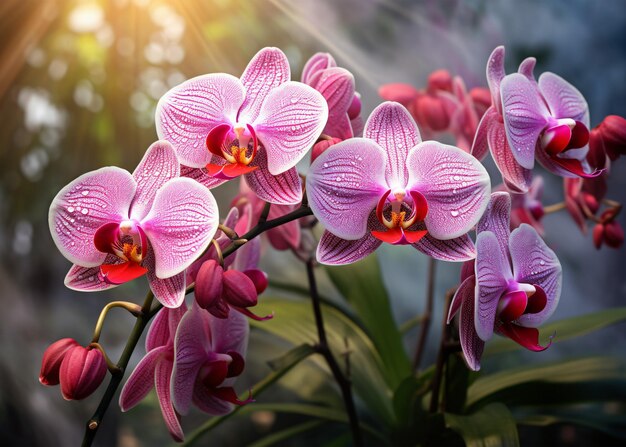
{"x": 337, "y": 87}
{"x": 52, "y": 358}
{"x": 82, "y": 371}
{"x": 392, "y": 187}
{"x": 516, "y": 286}
{"x": 155, "y": 369}
{"x": 115, "y": 226}
{"x": 208, "y": 356}
{"x": 547, "y": 119}
{"x": 259, "y": 126}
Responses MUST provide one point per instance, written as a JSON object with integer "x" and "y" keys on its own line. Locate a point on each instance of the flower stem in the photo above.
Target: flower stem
{"x": 324, "y": 349}
{"x": 426, "y": 317}
{"x": 116, "y": 377}
{"x": 554, "y": 208}
{"x": 264, "y": 213}
{"x": 444, "y": 349}
{"x": 133, "y": 308}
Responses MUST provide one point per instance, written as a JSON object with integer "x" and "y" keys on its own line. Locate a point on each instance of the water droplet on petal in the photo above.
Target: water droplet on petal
{"x": 294, "y": 100}
{"x": 454, "y": 213}
{"x": 84, "y": 211}
{"x": 70, "y": 209}
{"x": 85, "y": 192}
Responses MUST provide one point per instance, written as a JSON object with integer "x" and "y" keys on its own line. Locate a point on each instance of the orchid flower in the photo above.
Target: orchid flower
{"x": 234, "y": 282}
{"x": 115, "y": 226}
{"x": 527, "y": 208}
{"x": 392, "y": 187}
{"x": 258, "y": 126}
{"x": 337, "y": 87}
{"x": 515, "y": 287}
{"x": 155, "y": 369}
{"x": 208, "y": 356}
{"x": 491, "y": 134}
{"x": 546, "y": 119}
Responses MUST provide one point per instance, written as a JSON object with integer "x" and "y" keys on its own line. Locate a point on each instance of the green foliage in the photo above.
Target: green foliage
{"x": 492, "y": 425}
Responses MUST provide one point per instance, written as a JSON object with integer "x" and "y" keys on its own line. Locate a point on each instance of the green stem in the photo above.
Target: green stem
{"x": 426, "y": 317}
{"x": 133, "y": 308}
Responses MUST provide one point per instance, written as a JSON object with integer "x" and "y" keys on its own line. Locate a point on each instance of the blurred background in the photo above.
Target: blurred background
{"x": 79, "y": 81}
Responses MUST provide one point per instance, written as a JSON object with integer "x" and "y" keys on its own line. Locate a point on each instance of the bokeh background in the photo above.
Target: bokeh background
{"x": 79, "y": 81}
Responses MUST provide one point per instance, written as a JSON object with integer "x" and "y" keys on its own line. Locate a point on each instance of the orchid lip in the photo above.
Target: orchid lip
{"x": 398, "y": 225}
{"x": 236, "y": 151}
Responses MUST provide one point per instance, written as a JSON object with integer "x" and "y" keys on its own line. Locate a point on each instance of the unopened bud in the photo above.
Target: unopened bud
{"x": 52, "y": 358}
{"x": 82, "y": 371}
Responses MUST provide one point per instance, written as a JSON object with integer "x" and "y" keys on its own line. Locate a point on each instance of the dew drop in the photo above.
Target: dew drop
{"x": 70, "y": 209}
{"x": 454, "y": 213}
{"x": 85, "y": 192}
{"x": 84, "y": 211}
{"x": 294, "y": 100}
{"x": 542, "y": 262}
{"x": 156, "y": 173}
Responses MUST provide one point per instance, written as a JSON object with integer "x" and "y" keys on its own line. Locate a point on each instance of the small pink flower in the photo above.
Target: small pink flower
{"x": 527, "y": 208}
{"x": 515, "y": 287}
{"x": 52, "y": 359}
{"x": 82, "y": 371}
{"x": 392, "y": 187}
{"x": 155, "y": 369}
{"x": 258, "y": 126}
{"x": 115, "y": 226}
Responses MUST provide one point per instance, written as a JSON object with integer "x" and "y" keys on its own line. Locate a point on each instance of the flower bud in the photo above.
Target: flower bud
{"x": 355, "y": 107}
{"x": 82, "y": 371}
{"x": 209, "y": 284}
{"x": 613, "y": 132}
{"x": 440, "y": 80}
{"x": 431, "y": 113}
{"x": 402, "y": 93}
{"x": 481, "y": 97}
{"x": 239, "y": 290}
{"x": 52, "y": 359}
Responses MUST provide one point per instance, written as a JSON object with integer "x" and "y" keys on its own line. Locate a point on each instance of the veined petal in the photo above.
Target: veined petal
{"x": 201, "y": 175}
{"x": 392, "y": 127}
{"x": 496, "y": 219}
{"x": 333, "y": 250}
{"x": 495, "y": 74}
{"x": 458, "y": 249}
{"x": 190, "y": 354}
{"x": 516, "y": 177}
{"x": 162, "y": 383}
{"x": 230, "y": 334}
{"x": 186, "y": 114}
{"x": 493, "y": 272}
{"x": 471, "y": 344}
{"x": 344, "y": 184}
{"x": 337, "y": 87}
{"x": 564, "y": 100}
{"x": 83, "y": 206}
{"x": 455, "y": 185}
{"x": 206, "y": 401}
{"x": 168, "y": 291}
{"x": 480, "y": 146}
{"x": 525, "y": 117}
{"x": 88, "y": 279}
{"x": 158, "y": 333}
{"x": 158, "y": 165}
{"x": 535, "y": 263}
{"x": 180, "y": 225}
{"x": 524, "y": 336}
{"x": 141, "y": 380}
{"x": 281, "y": 189}
{"x": 292, "y": 117}
{"x": 315, "y": 65}
{"x": 268, "y": 69}
{"x": 527, "y": 67}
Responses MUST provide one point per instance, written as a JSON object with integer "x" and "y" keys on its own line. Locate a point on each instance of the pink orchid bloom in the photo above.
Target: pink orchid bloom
{"x": 285, "y": 237}
{"x": 515, "y": 287}
{"x": 337, "y": 87}
{"x": 115, "y": 226}
{"x": 155, "y": 369}
{"x": 491, "y": 134}
{"x": 546, "y": 119}
{"x": 392, "y": 187}
{"x": 258, "y": 126}
{"x": 208, "y": 356}
{"x": 527, "y": 208}
{"x": 238, "y": 282}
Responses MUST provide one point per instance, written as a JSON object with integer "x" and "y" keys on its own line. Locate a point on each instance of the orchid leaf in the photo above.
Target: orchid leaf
{"x": 592, "y": 417}
{"x": 281, "y": 367}
{"x": 565, "y": 329}
{"x": 489, "y": 426}
{"x": 287, "y": 433}
{"x": 293, "y": 321}
{"x": 588, "y": 379}
{"x": 362, "y": 285}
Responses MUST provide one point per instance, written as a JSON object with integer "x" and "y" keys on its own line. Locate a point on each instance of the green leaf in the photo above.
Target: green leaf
{"x": 284, "y": 364}
{"x": 362, "y": 286}
{"x": 293, "y": 321}
{"x": 565, "y": 329}
{"x": 581, "y": 380}
{"x": 287, "y": 433}
{"x": 492, "y": 425}
{"x": 611, "y": 424}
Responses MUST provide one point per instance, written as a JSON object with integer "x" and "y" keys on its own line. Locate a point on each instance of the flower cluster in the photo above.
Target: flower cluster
{"x": 368, "y": 183}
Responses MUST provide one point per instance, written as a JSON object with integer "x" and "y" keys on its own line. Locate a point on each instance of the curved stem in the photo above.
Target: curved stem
{"x": 549, "y": 209}
{"x": 426, "y": 317}
{"x": 324, "y": 349}
{"x": 133, "y": 308}
{"x": 116, "y": 378}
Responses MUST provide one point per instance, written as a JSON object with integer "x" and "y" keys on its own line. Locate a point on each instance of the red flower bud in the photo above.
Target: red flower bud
{"x": 321, "y": 146}
{"x": 82, "y": 371}
{"x": 440, "y": 80}
{"x": 613, "y": 234}
{"x": 613, "y": 131}
{"x": 209, "y": 282}
{"x": 431, "y": 113}
{"x": 481, "y": 97}
{"x": 52, "y": 358}
{"x": 239, "y": 290}
{"x": 355, "y": 107}
{"x": 402, "y": 93}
